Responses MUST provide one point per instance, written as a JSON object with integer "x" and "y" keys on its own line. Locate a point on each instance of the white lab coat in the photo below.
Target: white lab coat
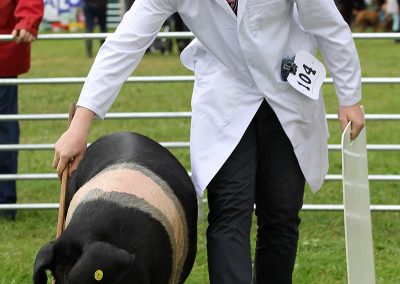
{"x": 236, "y": 60}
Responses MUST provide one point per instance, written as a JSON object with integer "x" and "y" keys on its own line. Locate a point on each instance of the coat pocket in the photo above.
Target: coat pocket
{"x": 266, "y": 17}
{"x": 203, "y": 62}
{"x": 217, "y": 90}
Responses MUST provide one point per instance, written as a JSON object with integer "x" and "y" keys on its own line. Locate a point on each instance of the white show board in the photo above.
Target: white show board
{"x": 357, "y": 215}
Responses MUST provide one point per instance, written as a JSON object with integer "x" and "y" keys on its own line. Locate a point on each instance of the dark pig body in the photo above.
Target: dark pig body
{"x": 132, "y": 217}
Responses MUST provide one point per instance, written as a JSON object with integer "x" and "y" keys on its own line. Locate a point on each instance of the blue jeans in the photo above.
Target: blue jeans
{"x": 9, "y": 134}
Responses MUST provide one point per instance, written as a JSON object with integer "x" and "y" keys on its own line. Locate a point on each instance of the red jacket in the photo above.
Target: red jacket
{"x": 27, "y": 14}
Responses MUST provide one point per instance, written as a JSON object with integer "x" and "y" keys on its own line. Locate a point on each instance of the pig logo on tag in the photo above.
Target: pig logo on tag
{"x": 309, "y": 76}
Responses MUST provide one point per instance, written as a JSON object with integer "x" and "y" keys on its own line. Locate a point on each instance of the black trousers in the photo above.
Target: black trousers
{"x": 9, "y": 134}
{"x": 93, "y": 12}
{"x": 262, "y": 170}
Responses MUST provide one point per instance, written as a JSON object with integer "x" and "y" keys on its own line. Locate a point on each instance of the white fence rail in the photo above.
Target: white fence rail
{"x": 175, "y": 115}
{"x": 51, "y": 176}
{"x": 311, "y": 207}
{"x": 161, "y": 79}
{"x": 70, "y": 36}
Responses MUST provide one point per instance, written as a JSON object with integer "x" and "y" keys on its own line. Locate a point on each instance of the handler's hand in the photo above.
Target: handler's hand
{"x": 69, "y": 149}
{"x": 355, "y": 115}
{"x": 71, "y": 146}
{"x": 22, "y": 35}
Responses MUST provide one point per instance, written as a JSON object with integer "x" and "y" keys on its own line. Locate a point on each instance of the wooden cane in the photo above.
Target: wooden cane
{"x": 64, "y": 183}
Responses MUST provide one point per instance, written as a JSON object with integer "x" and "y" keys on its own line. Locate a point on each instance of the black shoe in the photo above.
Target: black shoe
{"x": 9, "y": 215}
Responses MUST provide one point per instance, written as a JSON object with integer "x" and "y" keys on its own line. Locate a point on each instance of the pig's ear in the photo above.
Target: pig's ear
{"x": 44, "y": 260}
{"x": 101, "y": 261}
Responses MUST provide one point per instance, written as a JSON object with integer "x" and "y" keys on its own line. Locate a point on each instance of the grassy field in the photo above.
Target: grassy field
{"x": 321, "y": 254}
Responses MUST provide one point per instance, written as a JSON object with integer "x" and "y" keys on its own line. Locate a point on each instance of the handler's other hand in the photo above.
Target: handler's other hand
{"x": 354, "y": 114}
{"x": 69, "y": 149}
{"x": 22, "y": 35}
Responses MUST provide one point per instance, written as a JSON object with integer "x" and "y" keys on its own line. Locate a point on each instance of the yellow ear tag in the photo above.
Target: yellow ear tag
{"x": 98, "y": 275}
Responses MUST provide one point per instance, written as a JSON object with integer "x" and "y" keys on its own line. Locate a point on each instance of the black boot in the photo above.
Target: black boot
{"x": 9, "y": 215}
{"x": 88, "y": 48}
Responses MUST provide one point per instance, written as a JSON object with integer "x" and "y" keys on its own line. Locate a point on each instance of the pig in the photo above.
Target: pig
{"x": 132, "y": 217}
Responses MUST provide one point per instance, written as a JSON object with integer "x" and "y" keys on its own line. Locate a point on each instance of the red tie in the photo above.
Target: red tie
{"x": 233, "y": 4}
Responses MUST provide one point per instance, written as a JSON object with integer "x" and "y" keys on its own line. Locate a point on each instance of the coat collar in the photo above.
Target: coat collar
{"x": 241, "y": 5}
{"x": 225, "y": 6}
{"x": 240, "y": 12}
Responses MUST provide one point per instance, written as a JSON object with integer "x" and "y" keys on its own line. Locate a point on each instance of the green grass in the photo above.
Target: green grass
{"x": 321, "y": 254}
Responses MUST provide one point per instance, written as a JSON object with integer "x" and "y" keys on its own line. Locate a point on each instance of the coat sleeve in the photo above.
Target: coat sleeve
{"x": 121, "y": 53}
{"x": 28, "y": 14}
{"x": 322, "y": 19}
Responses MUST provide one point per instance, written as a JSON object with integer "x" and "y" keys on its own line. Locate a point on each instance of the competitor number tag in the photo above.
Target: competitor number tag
{"x": 309, "y": 76}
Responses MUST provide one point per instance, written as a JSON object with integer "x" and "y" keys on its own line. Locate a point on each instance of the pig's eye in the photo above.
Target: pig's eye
{"x": 98, "y": 275}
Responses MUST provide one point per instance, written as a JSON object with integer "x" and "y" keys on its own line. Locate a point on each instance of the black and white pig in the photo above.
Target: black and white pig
{"x": 132, "y": 218}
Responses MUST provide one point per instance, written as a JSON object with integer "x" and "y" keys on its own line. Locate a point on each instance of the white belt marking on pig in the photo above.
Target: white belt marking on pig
{"x": 142, "y": 183}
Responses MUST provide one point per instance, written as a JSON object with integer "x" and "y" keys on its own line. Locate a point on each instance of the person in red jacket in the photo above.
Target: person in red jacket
{"x": 21, "y": 19}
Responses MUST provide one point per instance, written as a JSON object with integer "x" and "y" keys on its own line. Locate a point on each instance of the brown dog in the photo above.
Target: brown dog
{"x": 377, "y": 19}
{"x": 365, "y": 19}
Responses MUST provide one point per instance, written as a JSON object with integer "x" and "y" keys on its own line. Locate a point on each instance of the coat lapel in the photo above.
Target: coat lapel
{"x": 240, "y": 12}
{"x": 226, "y": 7}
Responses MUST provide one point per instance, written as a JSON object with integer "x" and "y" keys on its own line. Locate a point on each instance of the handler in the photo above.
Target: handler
{"x": 254, "y": 138}
{"x": 21, "y": 19}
